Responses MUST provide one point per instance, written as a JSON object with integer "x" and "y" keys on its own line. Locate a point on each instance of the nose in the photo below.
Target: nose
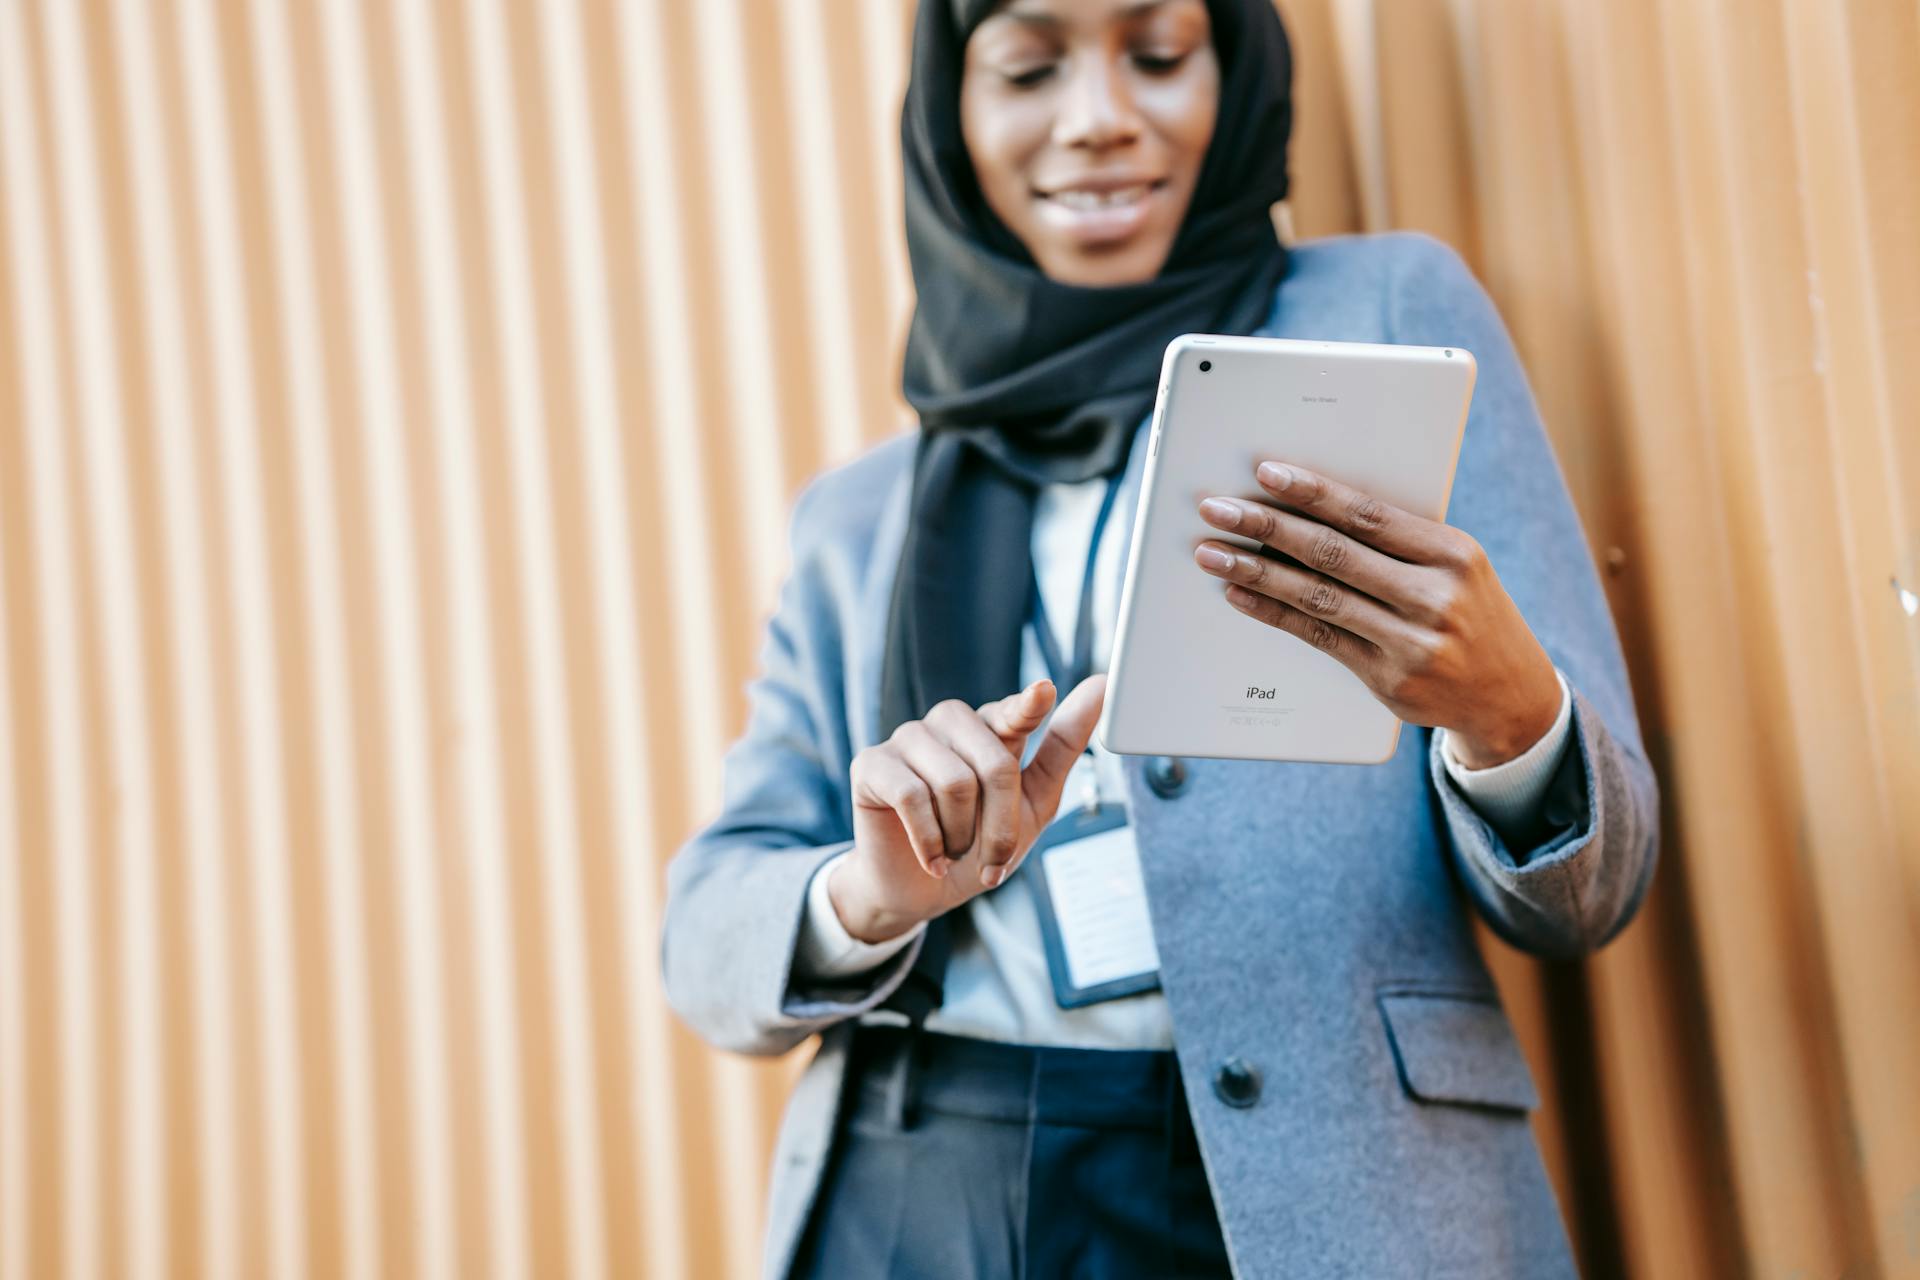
{"x": 1097, "y": 109}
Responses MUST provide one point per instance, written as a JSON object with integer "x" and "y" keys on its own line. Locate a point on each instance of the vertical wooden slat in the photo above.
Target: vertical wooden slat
{"x": 489, "y": 1218}
{"x": 123, "y": 530}
{"x": 1355, "y": 45}
{"x": 1429, "y": 128}
{"x": 1673, "y": 1218}
{"x": 123, "y": 932}
{"x": 637, "y": 1118}
{"x": 230, "y": 1083}
{"x": 202, "y": 1163}
{"x": 69, "y": 1220}
{"x": 681, "y": 443}
{"x": 1859, "y": 803}
{"x": 821, "y": 223}
{"x": 1323, "y": 196}
{"x": 16, "y": 1050}
{"x": 1839, "y": 827}
{"x": 526, "y": 315}
{"x": 421, "y": 1225}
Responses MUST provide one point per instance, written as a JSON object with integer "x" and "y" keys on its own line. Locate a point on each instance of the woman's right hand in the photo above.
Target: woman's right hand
{"x": 942, "y": 810}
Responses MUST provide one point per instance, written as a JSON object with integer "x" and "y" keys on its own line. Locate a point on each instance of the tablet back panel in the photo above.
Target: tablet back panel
{"x": 1193, "y": 676}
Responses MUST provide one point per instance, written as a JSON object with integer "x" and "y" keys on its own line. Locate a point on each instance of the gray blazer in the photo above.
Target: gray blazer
{"x": 1312, "y": 920}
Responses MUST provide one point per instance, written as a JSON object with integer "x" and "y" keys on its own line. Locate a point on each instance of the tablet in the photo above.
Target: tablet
{"x": 1189, "y": 674}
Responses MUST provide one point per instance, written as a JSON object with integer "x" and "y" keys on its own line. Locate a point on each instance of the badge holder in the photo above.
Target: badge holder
{"x": 1083, "y": 822}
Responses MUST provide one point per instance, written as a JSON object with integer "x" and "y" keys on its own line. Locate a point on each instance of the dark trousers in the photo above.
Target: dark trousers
{"x": 974, "y": 1158}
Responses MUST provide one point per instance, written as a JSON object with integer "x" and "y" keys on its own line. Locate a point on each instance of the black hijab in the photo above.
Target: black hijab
{"x": 1021, "y": 380}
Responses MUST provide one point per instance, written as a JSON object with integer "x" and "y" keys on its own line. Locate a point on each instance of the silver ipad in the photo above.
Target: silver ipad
{"x": 1189, "y": 674}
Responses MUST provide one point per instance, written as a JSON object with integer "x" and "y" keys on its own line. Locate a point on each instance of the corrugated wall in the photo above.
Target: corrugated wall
{"x": 399, "y": 408}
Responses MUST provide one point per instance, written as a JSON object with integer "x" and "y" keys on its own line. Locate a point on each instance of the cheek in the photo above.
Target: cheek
{"x": 1002, "y": 139}
{"x": 1183, "y": 114}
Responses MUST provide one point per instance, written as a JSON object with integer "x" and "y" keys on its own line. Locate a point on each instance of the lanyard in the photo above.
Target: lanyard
{"x": 1066, "y": 678}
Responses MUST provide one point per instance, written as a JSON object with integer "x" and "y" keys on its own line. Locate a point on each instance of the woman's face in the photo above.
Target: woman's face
{"x": 1086, "y": 121}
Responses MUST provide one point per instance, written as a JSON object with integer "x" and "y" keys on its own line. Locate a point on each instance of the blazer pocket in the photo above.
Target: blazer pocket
{"x": 1456, "y": 1046}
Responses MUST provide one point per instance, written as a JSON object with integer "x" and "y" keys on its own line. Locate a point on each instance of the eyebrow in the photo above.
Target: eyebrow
{"x": 1040, "y": 19}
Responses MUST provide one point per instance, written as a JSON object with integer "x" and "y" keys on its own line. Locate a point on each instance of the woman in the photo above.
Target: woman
{"x": 1312, "y": 1074}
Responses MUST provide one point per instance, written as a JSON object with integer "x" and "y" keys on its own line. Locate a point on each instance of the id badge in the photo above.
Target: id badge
{"x": 1092, "y": 903}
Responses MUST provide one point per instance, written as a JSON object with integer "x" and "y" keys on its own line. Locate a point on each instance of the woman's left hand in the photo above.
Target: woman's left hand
{"x": 1411, "y": 606}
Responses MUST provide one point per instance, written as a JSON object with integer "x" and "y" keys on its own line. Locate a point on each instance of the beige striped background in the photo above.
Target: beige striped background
{"x": 399, "y": 408}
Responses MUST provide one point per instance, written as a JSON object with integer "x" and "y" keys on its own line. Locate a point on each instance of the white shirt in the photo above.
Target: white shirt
{"x": 997, "y": 986}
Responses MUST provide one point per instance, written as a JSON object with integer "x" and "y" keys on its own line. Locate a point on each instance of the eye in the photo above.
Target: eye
{"x": 1030, "y": 77}
{"x": 1158, "y": 64}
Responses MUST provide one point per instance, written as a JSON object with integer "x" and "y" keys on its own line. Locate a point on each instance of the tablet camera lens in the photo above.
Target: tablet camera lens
{"x": 1449, "y": 353}
{"x": 1205, "y": 365}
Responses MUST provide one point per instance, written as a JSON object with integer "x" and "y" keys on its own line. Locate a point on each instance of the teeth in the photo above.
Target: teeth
{"x": 1101, "y": 199}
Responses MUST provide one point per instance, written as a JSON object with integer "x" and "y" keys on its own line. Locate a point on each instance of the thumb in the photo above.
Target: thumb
{"x": 1067, "y": 735}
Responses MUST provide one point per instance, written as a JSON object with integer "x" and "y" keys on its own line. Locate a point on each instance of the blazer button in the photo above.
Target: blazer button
{"x": 1167, "y": 775}
{"x": 1237, "y": 1083}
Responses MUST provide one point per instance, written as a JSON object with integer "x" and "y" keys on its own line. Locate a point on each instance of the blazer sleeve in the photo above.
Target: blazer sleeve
{"x": 1578, "y": 874}
{"x": 737, "y": 890}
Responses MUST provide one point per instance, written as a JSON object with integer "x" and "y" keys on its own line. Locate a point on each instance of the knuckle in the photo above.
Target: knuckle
{"x": 1310, "y": 488}
{"x": 1323, "y": 635}
{"x": 956, "y": 786}
{"x": 1256, "y": 519}
{"x": 1437, "y": 603}
{"x": 948, "y": 708}
{"x": 913, "y": 794}
{"x": 1323, "y": 598}
{"x": 1465, "y": 553}
{"x": 1366, "y": 513}
{"x": 1002, "y": 773}
{"x": 1438, "y": 654}
{"x": 1328, "y": 552}
{"x": 1424, "y": 653}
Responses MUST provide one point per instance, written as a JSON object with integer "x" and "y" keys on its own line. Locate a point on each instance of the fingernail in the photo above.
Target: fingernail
{"x": 938, "y": 866}
{"x": 1275, "y": 475}
{"x": 1214, "y": 558}
{"x": 1220, "y": 511}
{"x": 990, "y": 877}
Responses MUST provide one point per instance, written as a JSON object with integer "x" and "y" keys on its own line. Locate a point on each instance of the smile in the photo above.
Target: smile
{"x": 1099, "y": 214}
{"x": 1103, "y": 199}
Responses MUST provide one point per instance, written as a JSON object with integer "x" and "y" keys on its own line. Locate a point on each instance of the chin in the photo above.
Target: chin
{"x": 1110, "y": 265}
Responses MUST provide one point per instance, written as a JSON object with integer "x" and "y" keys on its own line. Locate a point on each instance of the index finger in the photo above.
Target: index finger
{"x": 1398, "y": 532}
{"x": 1015, "y": 716}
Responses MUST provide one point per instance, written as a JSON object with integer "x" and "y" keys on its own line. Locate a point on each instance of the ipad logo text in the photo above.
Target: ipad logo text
{"x": 1255, "y": 692}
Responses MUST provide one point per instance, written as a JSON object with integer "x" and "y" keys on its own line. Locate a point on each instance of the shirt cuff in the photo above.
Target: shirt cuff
{"x": 1510, "y": 794}
{"x": 826, "y": 949}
